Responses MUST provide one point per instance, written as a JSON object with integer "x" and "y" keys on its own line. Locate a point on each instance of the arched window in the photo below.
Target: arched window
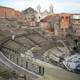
{"x": 39, "y": 17}
{"x": 67, "y": 17}
{"x": 62, "y": 19}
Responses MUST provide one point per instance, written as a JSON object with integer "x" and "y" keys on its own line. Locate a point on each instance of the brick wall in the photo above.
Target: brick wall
{"x": 6, "y": 12}
{"x": 2, "y": 12}
{"x": 64, "y": 20}
{"x": 18, "y": 14}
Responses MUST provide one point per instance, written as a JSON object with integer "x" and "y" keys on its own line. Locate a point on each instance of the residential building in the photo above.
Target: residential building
{"x": 75, "y": 21}
{"x": 57, "y": 23}
{"x": 42, "y": 15}
{"x": 29, "y": 16}
{"x": 50, "y": 24}
{"x": 33, "y": 17}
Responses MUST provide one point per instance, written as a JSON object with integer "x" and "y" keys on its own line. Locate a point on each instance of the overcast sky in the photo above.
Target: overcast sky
{"x": 72, "y": 6}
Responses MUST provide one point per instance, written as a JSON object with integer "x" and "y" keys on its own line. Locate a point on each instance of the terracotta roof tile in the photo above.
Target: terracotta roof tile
{"x": 50, "y": 17}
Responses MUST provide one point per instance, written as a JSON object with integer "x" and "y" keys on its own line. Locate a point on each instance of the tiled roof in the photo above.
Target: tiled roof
{"x": 50, "y": 17}
{"x": 29, "y": 9}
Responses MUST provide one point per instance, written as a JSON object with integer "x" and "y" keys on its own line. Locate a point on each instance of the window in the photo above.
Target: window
{"x": 62, "y": 19}
{"x": 66, "y": 29}
{"x": 67, "y": 17}
{"x": 51, "y": 24}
